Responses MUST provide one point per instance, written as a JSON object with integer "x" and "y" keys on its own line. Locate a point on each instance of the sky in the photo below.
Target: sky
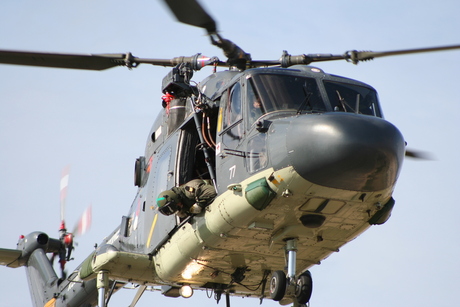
{"x": 98, "y": 123}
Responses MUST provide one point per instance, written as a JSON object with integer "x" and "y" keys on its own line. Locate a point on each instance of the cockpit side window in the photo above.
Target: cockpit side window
{"x": 232, "y": 125}
{"x": 352, "y": 98}
{"x": 233, "y": 108}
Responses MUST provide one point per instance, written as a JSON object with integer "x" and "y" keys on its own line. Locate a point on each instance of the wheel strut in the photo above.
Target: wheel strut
{"x": 299, "y": 288}
{"x": 102, "y": 286}
{"x": 291, "y": 248}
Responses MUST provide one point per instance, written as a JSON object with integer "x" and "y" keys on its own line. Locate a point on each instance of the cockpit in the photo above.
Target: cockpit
{"x": 268, "y": 93}
{"x": 257, "y": 97}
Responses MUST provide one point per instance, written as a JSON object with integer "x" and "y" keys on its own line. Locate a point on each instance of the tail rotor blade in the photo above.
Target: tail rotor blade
{"x": 84, "y": 223}
{"x": 63, "y": 190}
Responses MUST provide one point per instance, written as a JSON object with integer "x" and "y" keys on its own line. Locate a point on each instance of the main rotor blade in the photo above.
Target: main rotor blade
{"x": 353, "y": 56}
{"x": 356, "y": 56}
{"x": 192, "y": 13}
{"x": 63, "y": 60}
{"x": 98, "y": 61}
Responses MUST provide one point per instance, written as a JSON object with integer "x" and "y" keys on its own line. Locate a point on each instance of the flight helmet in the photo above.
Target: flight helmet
{"x": 167, "y": 202}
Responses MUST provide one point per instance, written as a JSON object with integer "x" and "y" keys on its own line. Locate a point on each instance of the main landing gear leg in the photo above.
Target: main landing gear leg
{"x": 300, "y": 288}
{"x": 102, "y": 286}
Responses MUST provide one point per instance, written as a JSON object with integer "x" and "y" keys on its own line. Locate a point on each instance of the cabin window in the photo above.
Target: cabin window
{"x": 346, "y": 97}
{"x": 288, "y": 92}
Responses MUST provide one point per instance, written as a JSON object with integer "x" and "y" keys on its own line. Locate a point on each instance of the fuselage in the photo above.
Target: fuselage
{"x": 318, "y": 159}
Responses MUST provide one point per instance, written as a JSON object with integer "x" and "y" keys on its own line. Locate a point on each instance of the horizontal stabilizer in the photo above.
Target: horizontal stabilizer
{"x": 10, "y": 257}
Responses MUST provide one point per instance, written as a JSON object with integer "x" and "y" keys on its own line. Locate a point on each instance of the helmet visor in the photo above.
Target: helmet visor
{"x": 169, "y": 208}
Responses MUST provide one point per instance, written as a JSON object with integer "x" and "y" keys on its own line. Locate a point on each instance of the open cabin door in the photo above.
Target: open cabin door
{"x": 179, "y": 161}
{"x": 162, "y": 177}
{"x": 145, "y": 227}
{"x": 191, "y": 161}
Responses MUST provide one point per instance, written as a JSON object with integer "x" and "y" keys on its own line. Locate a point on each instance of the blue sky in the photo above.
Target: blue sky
{"x": 98, "y": 123}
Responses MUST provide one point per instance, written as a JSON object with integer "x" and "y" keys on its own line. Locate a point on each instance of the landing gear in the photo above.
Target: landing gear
{"x": 102, "y": 287}
{"x": 282, "y": 286}
{"x": 304, "y": 288}
{"x": 278, "y": 285}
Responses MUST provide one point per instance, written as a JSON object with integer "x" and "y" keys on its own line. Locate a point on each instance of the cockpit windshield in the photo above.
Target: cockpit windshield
{"x": 284, "y": 92}
{"x": 268, "y": 93}
{"x": 347, "y": 97}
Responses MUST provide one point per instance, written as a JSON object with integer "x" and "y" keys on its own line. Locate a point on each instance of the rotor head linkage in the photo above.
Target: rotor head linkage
{"x": 129, "y": 61}
{"x": 196, "y": 61}
{"x": 192, "y": 13}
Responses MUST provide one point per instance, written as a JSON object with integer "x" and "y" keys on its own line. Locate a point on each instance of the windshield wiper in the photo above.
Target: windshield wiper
{"x": 306, "y": 100}
{"x": 344, "y": 103}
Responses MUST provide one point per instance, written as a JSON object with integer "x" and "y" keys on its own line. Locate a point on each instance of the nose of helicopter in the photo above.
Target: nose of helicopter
{"x": 345, "y": 151}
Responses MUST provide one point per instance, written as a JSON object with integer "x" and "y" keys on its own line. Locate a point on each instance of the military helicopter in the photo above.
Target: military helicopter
{"x": 243, "y": 155}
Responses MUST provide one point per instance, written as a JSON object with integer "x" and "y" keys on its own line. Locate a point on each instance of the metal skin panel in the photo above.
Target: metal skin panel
{"x": 348, "y": 151}
{"x": 125, "y": 266}
{"x": 77, "y": 293}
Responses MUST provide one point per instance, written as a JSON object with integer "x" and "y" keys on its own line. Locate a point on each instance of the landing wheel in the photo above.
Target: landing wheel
{"x": 277, "y": 285}
{"x": 304, "y": 288}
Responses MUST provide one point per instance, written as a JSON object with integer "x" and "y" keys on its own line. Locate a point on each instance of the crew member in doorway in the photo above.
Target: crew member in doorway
{"x": 189, "y": 198}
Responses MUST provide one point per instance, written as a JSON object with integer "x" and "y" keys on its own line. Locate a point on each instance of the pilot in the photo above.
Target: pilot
{"x": 189, "y": 198}
{"x": 255, "y": 109}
